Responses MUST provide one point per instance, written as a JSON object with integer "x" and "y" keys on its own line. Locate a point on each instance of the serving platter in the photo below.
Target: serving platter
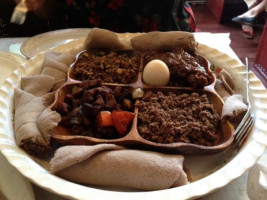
{"x": 12, "y": 184}
{"x": 134, "y": 136}
{"x": 9, "y": 62}
{"x": 211, "y": 172}
{"x": 48, "y": 40}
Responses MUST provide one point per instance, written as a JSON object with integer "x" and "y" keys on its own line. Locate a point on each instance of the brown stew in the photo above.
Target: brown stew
{"x": 185, "y": 69}
{"x": 92, "y": 109}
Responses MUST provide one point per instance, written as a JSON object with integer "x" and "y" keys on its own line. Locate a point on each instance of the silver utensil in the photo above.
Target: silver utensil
{"x": 242, "y": 131}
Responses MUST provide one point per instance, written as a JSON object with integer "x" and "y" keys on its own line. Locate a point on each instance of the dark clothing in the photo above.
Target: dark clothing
{"x": 32, "y": 25}
{"x": 115, "y": 15}
{"x": 131, "y": 15}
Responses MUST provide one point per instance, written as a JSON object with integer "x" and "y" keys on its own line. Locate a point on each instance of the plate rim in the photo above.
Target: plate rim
{"x": 19, "y": 59}
{"x": 25, "y": 190}
{"x": 239, "y": 165}
{"x": 29, "y": 54}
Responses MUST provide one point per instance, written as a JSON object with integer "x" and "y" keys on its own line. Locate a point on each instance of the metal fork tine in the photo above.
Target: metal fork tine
{"x": 247, "y": 128}
{"x": 241, "y": 133}
{"x": 246, "y": 116}
{"x": 245, "y": 131}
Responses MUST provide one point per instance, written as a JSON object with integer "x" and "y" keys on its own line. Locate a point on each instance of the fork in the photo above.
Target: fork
{"x": 19, "y": 13}
{"x": 242, "y": 131}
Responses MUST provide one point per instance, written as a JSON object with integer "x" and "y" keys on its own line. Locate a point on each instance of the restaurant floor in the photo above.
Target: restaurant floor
{"x": 242, "y": 46}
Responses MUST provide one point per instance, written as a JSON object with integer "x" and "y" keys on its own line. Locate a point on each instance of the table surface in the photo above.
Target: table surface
{"x": 236, "y": 190}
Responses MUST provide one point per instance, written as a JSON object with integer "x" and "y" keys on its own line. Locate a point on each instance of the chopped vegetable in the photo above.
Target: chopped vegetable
{"x": 104, "y": 119}
{"x": 122, "y": 121}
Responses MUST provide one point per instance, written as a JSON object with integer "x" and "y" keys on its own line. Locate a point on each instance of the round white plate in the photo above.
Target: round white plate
{"x": 48, "y": 40}
{"x": 209, "y": 172}
{"x": 9, "y": 62}
{"x": 12, "y": 184}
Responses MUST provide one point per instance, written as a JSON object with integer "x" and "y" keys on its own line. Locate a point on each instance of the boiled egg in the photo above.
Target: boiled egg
{"x": 156, "y": 73}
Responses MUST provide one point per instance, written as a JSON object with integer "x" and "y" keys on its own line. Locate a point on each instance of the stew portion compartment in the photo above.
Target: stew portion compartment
{"x": 111, "y": 66}
{"x": 186, "y": 70}
{"x": 91, "y": 109}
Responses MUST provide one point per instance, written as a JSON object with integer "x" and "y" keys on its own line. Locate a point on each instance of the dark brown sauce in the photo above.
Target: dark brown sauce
{"x": 185, "y": 69}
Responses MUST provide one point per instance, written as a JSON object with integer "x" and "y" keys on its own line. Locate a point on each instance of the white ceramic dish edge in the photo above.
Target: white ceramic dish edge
{"x": 246, "y": 158}
{"x": 48, "y": 40}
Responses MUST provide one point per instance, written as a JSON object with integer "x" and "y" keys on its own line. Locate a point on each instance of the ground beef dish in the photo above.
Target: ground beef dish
{"x": 109, "y": 66}
{"x": 188, "y": 118}
{"x": 185, "y": 69}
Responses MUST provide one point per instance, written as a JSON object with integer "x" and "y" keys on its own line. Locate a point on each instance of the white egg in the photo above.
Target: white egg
{"x": 156, "y": 73}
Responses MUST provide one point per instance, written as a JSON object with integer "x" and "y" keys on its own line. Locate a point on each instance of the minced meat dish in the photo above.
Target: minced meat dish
{"x": 185, "y": 69}
{"x": 188, "y": 118}
{"x": 109, "y": 66}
